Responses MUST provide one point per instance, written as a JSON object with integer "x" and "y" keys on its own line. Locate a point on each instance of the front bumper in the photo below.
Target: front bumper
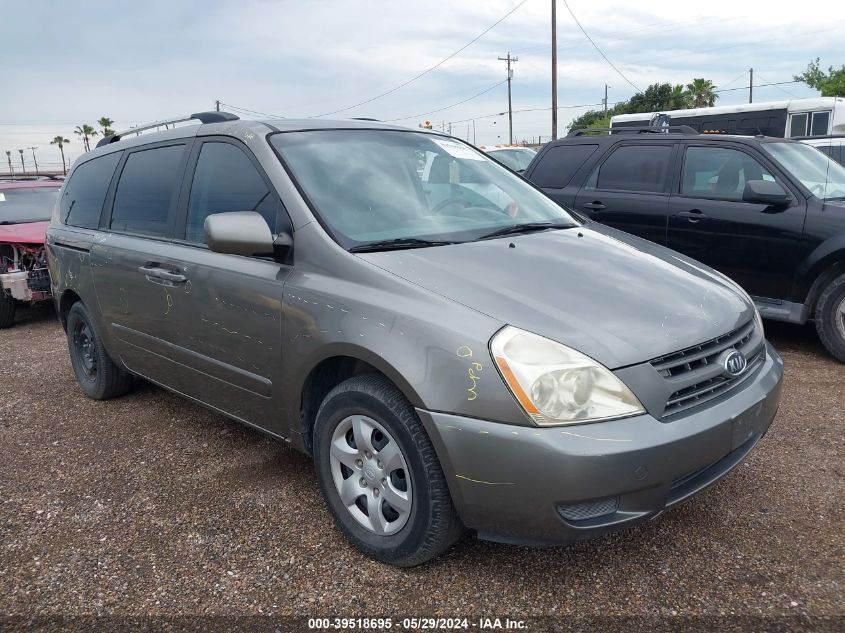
{"x": 563, "y": 484}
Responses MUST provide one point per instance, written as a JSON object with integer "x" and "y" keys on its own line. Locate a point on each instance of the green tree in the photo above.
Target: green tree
{"x": 105, "y": 124}
{"x": 61, "y": 141}
{"x": 702, "y": 93}
{"x": 679, "y": 98}
{"x": 830, "y": 83}
{"x": 85, "y": 132}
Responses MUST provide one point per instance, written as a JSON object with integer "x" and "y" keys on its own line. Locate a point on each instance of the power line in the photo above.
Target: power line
{"x": 778, "y": 85}
{"x": 596, "y": 46}
{"x": 234, "y": 107}
{"x": 475, "y": 96}
{"x": 427, "y": 70}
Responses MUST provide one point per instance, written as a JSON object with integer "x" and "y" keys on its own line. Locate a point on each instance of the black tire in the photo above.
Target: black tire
{"x": 98, "y": 376}
{"x": 432, "y": 525}
{"x": 830, "y": 318}
{"x": 8, "y": 306}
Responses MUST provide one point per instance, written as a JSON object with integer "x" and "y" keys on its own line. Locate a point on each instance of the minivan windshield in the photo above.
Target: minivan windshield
{"x": 411, "y": 189}
{"x": 27, "y": 204}
{"x": 824, "y": 177}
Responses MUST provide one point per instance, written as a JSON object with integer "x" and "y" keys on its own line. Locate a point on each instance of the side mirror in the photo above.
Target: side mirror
{"x": 239, "y": 233}
{"x": 766, "y": 192}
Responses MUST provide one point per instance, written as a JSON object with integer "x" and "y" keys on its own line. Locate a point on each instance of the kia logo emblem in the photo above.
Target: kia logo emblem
{"x": 735, "y": 363}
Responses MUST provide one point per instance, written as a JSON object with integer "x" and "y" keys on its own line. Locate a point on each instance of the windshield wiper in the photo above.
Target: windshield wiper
{"x": 526, "y": 227}
{"x": 397, "y": 243}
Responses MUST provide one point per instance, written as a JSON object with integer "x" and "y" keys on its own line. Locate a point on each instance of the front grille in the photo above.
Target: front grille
{"x": 696, "y": 377}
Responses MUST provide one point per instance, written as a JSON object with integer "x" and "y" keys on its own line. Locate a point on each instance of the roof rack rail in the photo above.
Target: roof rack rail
{"x": 683, "y": 129}
{"x": 202, "y": 117}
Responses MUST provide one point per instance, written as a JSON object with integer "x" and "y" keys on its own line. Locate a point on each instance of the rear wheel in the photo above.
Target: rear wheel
{"x": 98, "y": 376}
{"x": 380, "y": 475}
{"x": 8, "y": 306}
{"x": 830, "y": 317}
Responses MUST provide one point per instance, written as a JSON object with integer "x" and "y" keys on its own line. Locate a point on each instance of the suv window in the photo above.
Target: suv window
{"x": 557, "y": 166}
{"x": 226, "y": 180}
{"x": 146, "y": 191}
{"x": 85, "y": 192}
{"x": 719, "y": 172}
{"x": 634, "y": 168}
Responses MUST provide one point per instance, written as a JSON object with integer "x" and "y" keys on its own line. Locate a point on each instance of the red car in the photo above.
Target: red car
{"x": 25, "y": 209}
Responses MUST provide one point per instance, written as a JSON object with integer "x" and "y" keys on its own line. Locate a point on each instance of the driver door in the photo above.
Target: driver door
{"x": 757, "y": 245}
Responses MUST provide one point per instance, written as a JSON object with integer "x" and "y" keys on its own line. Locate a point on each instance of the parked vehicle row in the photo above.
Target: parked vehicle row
{"x": 454, "y": 349}
{"x": 25, "y": 208}
{"x": 767, "y": 212}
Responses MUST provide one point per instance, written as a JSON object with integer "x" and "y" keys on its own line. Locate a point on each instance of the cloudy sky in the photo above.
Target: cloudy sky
{"x": 73, "y": 61}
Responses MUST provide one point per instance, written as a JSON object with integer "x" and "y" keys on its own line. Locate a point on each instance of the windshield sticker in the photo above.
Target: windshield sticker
{"x": 2, "y": 197}
{"x": 458, "y": 150}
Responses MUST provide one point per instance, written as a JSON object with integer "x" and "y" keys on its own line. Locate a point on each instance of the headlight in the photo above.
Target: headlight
{"x": 558, "y": 385}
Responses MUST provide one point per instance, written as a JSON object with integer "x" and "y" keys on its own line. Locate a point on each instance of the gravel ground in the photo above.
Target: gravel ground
{"x": 151, "y": 506}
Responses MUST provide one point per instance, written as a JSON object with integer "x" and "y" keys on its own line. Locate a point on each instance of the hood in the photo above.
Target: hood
{"x": 619, "y": 299}
{"x": 27, "y": 233}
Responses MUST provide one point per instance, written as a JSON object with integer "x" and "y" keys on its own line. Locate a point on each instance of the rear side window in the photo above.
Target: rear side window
{"x": 641, "y": 168}
{"x": 85, "y": 192}
{"x": 557, "y": 166}
{"x": 226, "y": 180}
{"x": 146, "y": 191}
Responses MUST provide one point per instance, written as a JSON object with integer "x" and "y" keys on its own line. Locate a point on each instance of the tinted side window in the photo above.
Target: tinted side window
{"x": 636, "y": 168}
{"x": 146, "y": 191}
{"x": 557, "y": 167}
{"x": 85, "y": 192}
{"x": 226, "y": 180}
{"x": 719, "y": 172}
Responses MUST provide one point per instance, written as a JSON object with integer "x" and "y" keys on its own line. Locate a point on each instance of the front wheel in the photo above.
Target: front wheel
{"x": 380, "y": 475}
{"x": 8, "y": 306}
{"x": 830, "y": 317}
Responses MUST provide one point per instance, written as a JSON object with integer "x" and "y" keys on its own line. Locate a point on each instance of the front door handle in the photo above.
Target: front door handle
{"x": 162, "y": 273}
{"x": 694, "y": 215}
{"x": 594, "y": 206}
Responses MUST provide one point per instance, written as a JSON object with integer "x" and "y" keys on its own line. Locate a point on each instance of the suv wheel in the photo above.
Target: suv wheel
{"x": 379, "y": 474}
{"x": 99, "y": 377}
{"x": 7, "y": 309}
{"x": 830, "y": 317}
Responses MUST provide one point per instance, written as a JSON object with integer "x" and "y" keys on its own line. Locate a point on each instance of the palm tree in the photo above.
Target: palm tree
{"x": 60, "y": 141}
{"x": 85, "y": 131}
{"x": 678, "y": 99}
{"x": 106, "y": 124}
{"x": 703, "y": 93}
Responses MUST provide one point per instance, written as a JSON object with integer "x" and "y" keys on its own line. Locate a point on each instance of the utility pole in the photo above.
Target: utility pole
{"x": 32, "y": 149}
{"x": 605, "y": 100}
{"x": 217, "y": 105}
{"x": 9, "y": 158}
{"x": 23, "y": 167}
{"x": 473, "y": 133}
{"x": 510, "y": 59}
{"x": 750, "y": 85}
{"x": 554, "y": 69}
{"x": 450, "y": 128}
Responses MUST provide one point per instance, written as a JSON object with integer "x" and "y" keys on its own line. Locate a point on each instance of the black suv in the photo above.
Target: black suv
{"x": 767, "y": 212}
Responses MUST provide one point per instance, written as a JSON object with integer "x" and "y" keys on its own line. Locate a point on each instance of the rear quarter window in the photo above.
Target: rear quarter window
{"x": 85, "y": 192}
{"x": 558, "y": 165}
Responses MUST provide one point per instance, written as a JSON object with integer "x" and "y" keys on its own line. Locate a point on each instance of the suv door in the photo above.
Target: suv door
{"x": 757, "y": 245}
{"x": 224, "y": 319}
{"x": 629, "y": 189}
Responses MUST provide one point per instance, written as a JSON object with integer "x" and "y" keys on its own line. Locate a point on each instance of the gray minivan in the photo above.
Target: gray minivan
{"x": 454, "y": 349}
